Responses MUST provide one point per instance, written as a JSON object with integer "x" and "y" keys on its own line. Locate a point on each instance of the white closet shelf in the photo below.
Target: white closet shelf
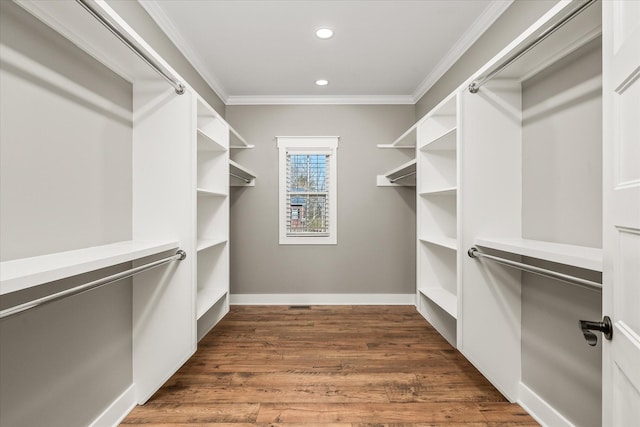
{"x": 209, "y": 243}
{"x": 577, "y": 256}
{"x": 444, "y": 299}
{"x": 445, "y": 242}
{"x": 205, "y": 192}
{"x": 207, "y": 298}
{"x": 207, "y": 143}
{"x": 445, "y": 141}
{"x": 240, "y": 173}
{"x": 406, "y": 140}
{"x": 405, "y": 174}
{"x": 25, "y": 273}
{"x": 448, "y": 191}
{"x": 236, "y": 135}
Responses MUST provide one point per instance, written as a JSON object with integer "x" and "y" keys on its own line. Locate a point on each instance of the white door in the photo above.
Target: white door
{"x": 621, "y": 221}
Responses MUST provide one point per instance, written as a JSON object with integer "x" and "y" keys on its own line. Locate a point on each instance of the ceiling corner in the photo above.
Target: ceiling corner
{"x": 492, "y": 12}
{"x": 162, "y": 20}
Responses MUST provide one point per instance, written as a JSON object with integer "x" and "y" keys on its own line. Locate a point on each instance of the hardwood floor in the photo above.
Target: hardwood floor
{"x": 330, "y": 366}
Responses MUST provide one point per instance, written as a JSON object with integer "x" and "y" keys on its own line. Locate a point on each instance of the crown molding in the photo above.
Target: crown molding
{"x": 163, "y": 21}
{"x": 321, "y": 100}
{"x": 495, "y": 9}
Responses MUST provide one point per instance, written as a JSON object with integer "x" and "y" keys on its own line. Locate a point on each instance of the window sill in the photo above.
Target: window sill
{"x": 307, "y": 240}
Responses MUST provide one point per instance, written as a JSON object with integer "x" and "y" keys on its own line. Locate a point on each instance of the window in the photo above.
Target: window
{"x": 308, "y": 190}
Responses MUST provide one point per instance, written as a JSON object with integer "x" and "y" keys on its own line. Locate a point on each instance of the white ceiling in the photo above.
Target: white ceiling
{"x": 266, "y": 52}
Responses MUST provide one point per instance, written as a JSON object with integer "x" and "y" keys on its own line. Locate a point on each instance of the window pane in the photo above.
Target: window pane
{"x": 307, "y": 198}
{"x": 308, "y": 214}
{"x": 308, "y": 173}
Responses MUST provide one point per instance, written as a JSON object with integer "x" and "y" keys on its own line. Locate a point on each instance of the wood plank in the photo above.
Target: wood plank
{"x": 345, "y": 366}
{"x": 194, "y": 413}
{"x": 379, "y": 413}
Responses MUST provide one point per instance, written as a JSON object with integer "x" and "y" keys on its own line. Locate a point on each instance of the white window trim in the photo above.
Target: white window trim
{"x": 308, "y": 145}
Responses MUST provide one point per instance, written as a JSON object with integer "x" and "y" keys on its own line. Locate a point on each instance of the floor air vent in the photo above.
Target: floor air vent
{"x": 299, "y": 307}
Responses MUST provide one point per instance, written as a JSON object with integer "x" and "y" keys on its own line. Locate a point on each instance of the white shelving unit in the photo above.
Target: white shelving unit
{"x": 437, "y": 217}
{"x": 180, "y": 176}
{"x": 212, "y": 271}
{"x": 519, "y": 171}
{"x": 405, "y": 174}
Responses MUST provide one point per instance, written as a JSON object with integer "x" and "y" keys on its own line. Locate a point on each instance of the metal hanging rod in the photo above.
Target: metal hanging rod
{"x": 247, "y": 180}
{"x": 475, "y": 85}
{"x": 474, "y": 252}
{"x": 393, "y": 180}
{"x": 180, "y": 255}
{"x": 179, "y": 87}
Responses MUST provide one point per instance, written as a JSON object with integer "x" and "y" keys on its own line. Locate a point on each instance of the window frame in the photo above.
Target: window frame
{"x": 308, "y": 145}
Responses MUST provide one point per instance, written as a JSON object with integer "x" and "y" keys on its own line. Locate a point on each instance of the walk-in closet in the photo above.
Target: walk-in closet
{"x": 337, "y": 213}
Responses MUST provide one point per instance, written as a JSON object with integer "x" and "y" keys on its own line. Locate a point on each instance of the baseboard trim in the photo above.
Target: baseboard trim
{"x": 540, "y": 409}
{"x": 322, "y": 299}
{"x": 118, "y": 410}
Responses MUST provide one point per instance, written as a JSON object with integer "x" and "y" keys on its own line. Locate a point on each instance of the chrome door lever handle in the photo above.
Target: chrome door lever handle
{"x": 587, "y": 326}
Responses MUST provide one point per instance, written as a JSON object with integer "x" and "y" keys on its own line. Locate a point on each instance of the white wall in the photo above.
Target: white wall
{"x": 65, "y": 141}
{"x": 375, "y": 253}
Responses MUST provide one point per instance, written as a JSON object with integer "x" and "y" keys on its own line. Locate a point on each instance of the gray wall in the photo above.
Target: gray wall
{"x": 518, "y": 17}
{"x": 562, "y": 202}
{"x": 376, "y": 225}
{"x": 143, "y": 24}
{"x": 65, "y": 184}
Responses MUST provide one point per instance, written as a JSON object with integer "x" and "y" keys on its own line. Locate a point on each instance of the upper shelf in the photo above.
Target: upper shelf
{"x": 235, "y": 136}
{"x": 404, "y": 175}
{"x": 406, "y": 140}
{"x": 241, "y": 176}
{"x": 25, "y": 273}
{"x": 577, "y": 256}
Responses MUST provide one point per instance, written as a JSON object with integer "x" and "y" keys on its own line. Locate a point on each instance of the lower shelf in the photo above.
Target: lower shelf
{"x": 207, "y": 298}
{"x": 443, "y": 298}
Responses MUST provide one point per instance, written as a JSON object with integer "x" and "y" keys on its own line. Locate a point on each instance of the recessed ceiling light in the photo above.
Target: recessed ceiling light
{"x": 324, "y": 33}
{"x": 322, "y": 82}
